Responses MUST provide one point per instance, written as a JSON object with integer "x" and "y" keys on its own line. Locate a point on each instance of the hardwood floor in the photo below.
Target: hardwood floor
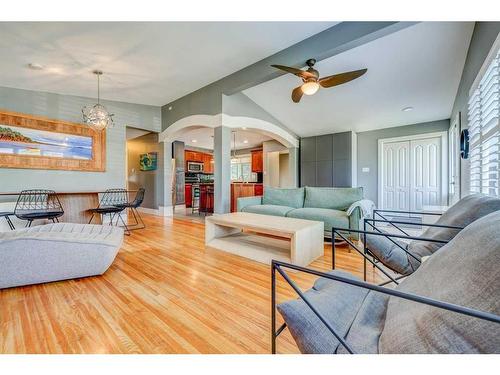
{"x": 165, "y": 293}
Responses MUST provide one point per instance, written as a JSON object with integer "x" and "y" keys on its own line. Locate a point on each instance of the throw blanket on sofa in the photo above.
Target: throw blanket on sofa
{"x": 365, "y": 205}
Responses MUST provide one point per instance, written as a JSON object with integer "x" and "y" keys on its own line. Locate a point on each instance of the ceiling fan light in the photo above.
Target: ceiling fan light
{"x": 310, "y": 88}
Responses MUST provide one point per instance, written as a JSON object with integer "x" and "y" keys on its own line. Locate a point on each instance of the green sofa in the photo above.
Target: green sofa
{"x": 328, "y": 205}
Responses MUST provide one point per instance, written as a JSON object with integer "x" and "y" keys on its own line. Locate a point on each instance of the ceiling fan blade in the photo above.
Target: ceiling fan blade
{"x": 297, "y": 94}
{"x": 298, "y": 72}
{"x": 341, "y": 78}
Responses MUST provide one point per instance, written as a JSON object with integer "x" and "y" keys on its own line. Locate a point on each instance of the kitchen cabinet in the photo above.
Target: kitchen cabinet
{"x": 257, "y": 161}
{"x": 243, "y": 189}
{"x": 208, "y": 163}
{"x": 259, "y": 189}
{"x": 191, "y": 156}
{"x": 200, "y": 157}
{"x": 188, "y": 196}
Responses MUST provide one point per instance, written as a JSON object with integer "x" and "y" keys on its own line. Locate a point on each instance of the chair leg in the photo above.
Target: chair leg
{"x": 127, "y": 231}
{"x": 28, "y": 224}
{"x": 138, "y": 219}
{"x": 90, "y": 221}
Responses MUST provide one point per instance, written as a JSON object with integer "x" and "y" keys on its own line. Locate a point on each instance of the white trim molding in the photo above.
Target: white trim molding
{"x": 213, "y": 121}
{"x": 444, "y": 162}
{"x": 160, "y": 211}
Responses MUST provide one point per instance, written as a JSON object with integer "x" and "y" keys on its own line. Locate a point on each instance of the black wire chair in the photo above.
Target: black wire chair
{"x": 37, "y": 204}
{"x": 113, "y": 203}
{"x": 132, "y": 206}
{"x": 7, "y": 215}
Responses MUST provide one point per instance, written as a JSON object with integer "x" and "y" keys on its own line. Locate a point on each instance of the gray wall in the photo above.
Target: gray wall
{"x": 64, "y": 107}
{"x": 149, "y": 180}
{"x": 368, "y": 151}
{"x": 482, "y": 40}
{"x": 326, "y": 160}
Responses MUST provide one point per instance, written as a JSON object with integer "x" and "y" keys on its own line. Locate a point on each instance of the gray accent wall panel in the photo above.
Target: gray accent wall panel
{"x": 326, "y": 160}
{"x": 324, "y": 173}
{"x": 324, "y": 145}
{"x": 308, "y": 173}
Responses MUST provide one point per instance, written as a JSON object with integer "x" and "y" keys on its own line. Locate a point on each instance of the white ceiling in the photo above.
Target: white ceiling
{"x": 147, "y": 63}
{"x": 419, "y": 66}
{"x": 204, "y": 138}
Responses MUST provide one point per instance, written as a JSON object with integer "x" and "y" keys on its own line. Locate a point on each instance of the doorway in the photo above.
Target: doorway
{"x": 413, "y": 172}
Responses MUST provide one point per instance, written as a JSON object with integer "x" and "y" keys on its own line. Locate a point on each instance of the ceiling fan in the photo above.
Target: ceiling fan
{"x": 312, "y": 82}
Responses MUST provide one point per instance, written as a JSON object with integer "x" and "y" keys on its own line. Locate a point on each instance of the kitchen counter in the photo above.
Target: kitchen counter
{"x": 244, "y": 189}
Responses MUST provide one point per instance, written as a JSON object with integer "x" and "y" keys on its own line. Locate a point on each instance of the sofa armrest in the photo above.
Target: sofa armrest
{"x": 247, "y": 201}
{"x": 354, "y": 219}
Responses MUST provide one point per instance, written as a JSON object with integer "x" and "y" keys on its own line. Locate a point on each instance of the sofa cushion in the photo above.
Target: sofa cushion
{"x": 461, "y": 214}
{"x": 365, "y": 331}
{"x": 333, "y": 198}
{"x": 390, "y": 254}
{"x": 464, "y": 272}
{"x": 337, "y": 302}
{"x": 331, "y": 218}
{"x": 267, "y": 209}
{"x": 284, "y": 197}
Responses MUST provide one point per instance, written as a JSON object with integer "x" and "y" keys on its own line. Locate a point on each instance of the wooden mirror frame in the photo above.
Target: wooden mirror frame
{"x": 97, "y": 164}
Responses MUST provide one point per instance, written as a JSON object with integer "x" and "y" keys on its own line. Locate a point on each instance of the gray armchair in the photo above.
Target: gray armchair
{"x": 391, "y": 251}
{"x": 448, "y": 305}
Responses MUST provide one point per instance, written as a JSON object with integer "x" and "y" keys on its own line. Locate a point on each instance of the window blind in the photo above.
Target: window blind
{"x": 484, "y": 132}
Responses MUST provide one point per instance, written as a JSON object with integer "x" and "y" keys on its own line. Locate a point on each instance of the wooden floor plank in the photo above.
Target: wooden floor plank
{"x": 165, "y": 293}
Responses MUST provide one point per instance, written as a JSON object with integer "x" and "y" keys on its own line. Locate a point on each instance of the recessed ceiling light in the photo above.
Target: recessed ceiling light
{"x": 194, "y": 140}
{"x": 407, "y": 109}
{"x": 245, "y": 141}
{"x": 170, "y": 108}
{"x": 35, "y": 66}
{"x": 244, "y": 128}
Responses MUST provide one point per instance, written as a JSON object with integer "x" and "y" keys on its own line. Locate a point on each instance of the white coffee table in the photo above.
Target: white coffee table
{"x": 264, "y": 238}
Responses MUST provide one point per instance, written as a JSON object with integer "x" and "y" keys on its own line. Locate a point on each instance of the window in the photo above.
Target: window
{"x": 241, "y": 169}
{"x": 484, "y": 131}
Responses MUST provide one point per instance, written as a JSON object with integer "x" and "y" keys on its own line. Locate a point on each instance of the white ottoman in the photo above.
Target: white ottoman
{"x": 56, "y": 252}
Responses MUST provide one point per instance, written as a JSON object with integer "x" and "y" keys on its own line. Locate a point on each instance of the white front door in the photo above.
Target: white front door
{"x": 411, "y": 173}
{"x": 396, "y": 179}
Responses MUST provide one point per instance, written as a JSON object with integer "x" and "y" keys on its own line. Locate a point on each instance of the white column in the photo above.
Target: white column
{"x": 222, "y": 169}
{"x": 166, "y": 206}
{"x": 293, "y": 166}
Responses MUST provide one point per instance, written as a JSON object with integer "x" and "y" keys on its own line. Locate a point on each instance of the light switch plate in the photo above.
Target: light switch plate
{"x": 365, "y": 170}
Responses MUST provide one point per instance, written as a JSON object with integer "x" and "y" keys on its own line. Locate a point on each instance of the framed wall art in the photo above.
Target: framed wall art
{"x": 34, "y": 142}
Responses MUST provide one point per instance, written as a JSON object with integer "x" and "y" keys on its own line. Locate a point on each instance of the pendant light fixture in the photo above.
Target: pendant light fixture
{"x": 97, "y": 116}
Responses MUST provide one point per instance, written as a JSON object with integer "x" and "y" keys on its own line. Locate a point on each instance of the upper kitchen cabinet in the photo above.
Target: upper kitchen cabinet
{"x": 208, "y": 163}
{"x": 257, "y": 161}
{"x": 193, "y": 156}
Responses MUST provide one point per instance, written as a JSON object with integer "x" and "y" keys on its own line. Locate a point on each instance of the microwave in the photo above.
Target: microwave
{"x": 193, "y": 166}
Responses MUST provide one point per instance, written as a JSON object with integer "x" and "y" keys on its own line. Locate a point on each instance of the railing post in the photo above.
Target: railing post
{"x": 273, "y": 308}
{"x": 364, "y": 248}
{"x": 333, "y": 248}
